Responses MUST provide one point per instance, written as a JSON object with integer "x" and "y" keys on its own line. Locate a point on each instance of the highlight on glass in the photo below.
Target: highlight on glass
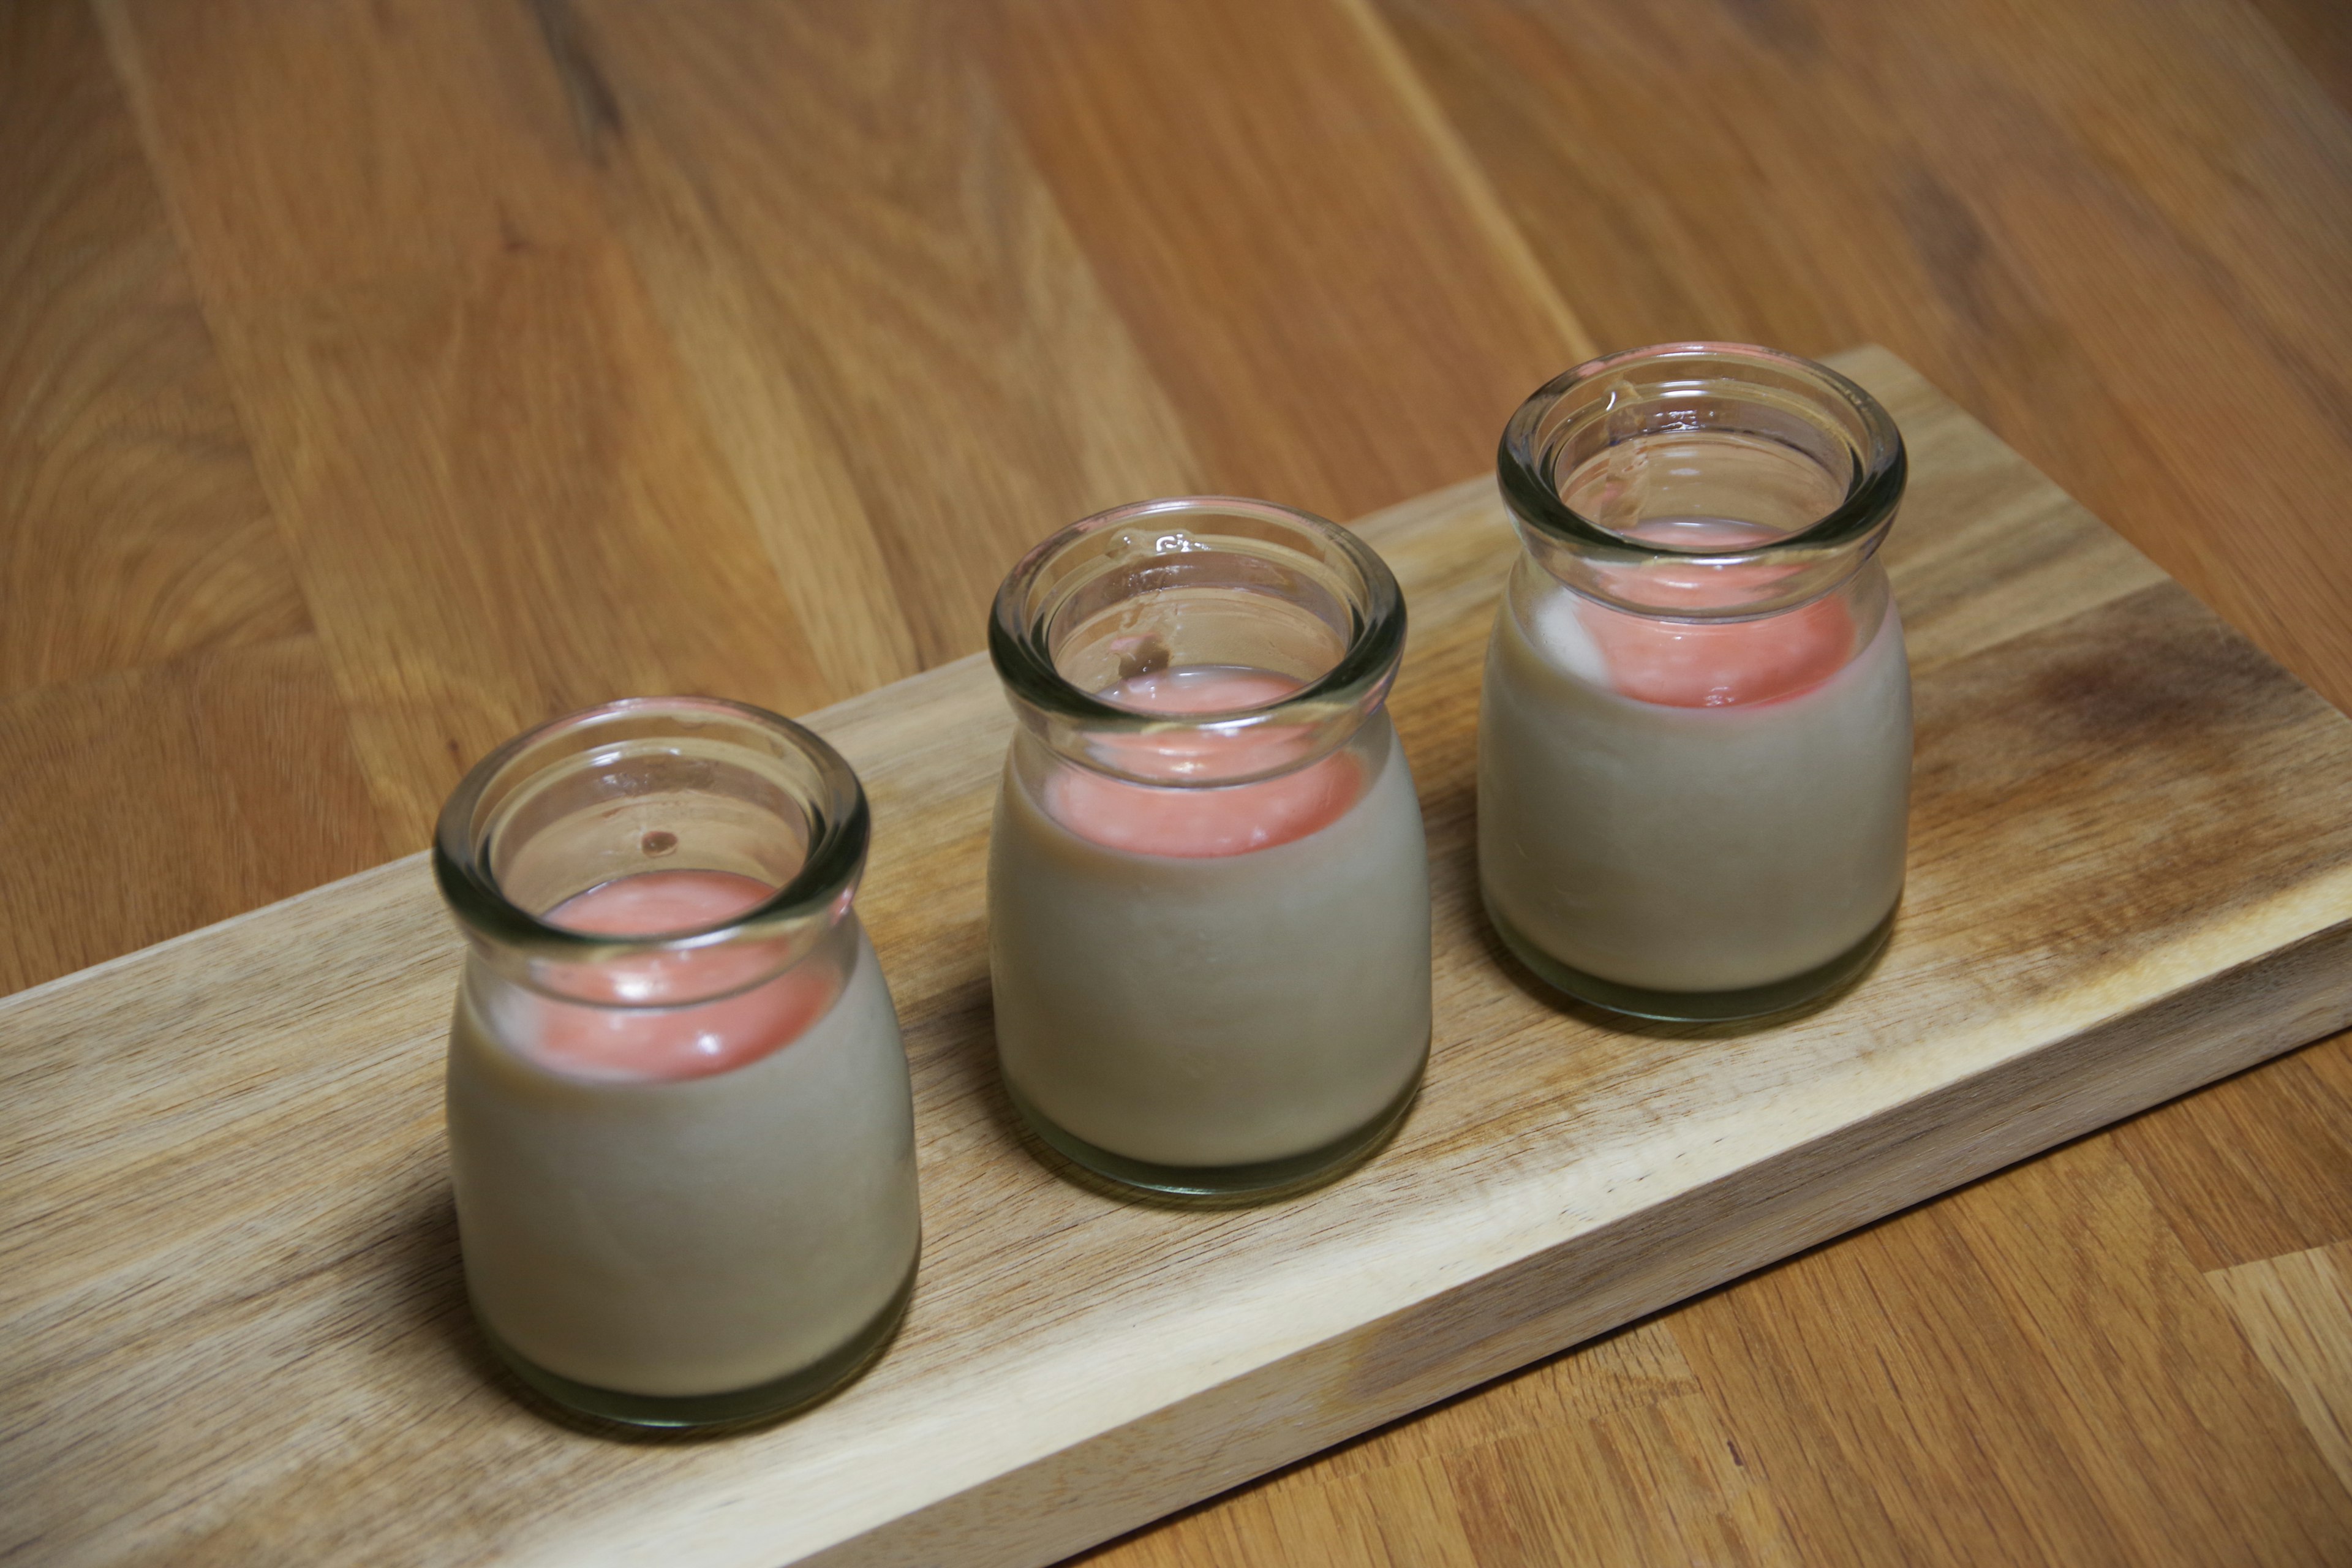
{"x": 1208, "y": 887}
{"x": 1695, "y": 736}
{"x": 680, "y": 1127}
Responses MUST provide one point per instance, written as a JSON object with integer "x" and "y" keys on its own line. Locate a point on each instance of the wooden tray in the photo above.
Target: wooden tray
{"x": 231, "y": 1328}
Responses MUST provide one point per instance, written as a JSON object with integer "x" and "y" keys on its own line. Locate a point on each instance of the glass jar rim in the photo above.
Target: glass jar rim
{"x": 1874, "y": 492}
{"x": 839, "y": 825}
{"x": 1019, "y": 646}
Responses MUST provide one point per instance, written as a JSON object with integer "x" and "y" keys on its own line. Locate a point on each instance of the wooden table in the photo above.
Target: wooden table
{"x": 377, "y": 379}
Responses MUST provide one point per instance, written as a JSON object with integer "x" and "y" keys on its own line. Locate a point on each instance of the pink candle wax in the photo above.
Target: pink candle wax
{"x": 1199, "y": 822}
{"x": 645, "y": 1041}
{"x": 1717, "y": 664}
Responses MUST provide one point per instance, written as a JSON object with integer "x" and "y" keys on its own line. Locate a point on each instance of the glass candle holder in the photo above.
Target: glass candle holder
{"x": 680, "y": 1127}
{"x": 1208, "y": 889}
{"x": 1694, "y": 737}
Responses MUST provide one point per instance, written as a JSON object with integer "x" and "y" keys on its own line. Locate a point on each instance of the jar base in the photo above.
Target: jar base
{"x": 769, "y": 1401}
{"x": 1814, "y": 985}
{"x": 1261, "y": 1181}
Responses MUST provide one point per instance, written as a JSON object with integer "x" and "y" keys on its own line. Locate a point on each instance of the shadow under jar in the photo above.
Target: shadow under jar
{"x": 680, "y": 1126}
{"x": 1694, "y": 737}
{"x": 1209, "y": 925}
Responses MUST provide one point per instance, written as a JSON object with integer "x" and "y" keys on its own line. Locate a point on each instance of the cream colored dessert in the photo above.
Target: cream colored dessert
{"x": 637, "y": 1230}
{"x": 1212, "y": 1003}
{"x": 1676, "y": 846}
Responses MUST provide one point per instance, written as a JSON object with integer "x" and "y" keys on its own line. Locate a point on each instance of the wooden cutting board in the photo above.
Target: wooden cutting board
{"x": 231, "y": 1325}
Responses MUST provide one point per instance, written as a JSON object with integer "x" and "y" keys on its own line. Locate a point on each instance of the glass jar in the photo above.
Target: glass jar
{"x": 1695, "y": 738}
{"x": 680, "y": 1127}
{"x": 1208, "y": 889}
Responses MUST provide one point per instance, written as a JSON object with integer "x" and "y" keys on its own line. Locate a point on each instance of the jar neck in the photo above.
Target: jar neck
{"x": 1197, "y": 641}
{"x": 757, "y": 828}
{"x": 1702, "y": 481}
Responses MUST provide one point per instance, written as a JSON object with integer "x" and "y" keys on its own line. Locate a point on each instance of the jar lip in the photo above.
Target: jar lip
{"x": 1018, "y": 647}
{"x": 840, "y": 823}
{"x": 1871, "y": 495}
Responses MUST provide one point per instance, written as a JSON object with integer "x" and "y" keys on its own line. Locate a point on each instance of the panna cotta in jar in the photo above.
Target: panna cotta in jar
{"x": 1209, "y": 923}
{"x": 680, "y": 1126}
{"x": 1695, "y": 736}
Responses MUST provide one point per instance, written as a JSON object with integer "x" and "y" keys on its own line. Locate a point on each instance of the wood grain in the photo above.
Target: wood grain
{"x": 248, "y": 824}
{"x": 2318, "y": 35}
{"x": 174, "y": 748}
{"x": 474, "y": 431}
{"x": 132, "y": 527}
{"x": 2048, "y": 1464}
{"x": 889, "y": 323}
{"x": 275, "y": 1352}
{"x": 1337, "y": 321}
{"x": 2295, "y": 1311}
{"x": 2258, "y": 1169}
{"x": 1600, "y": 1505}
{"x": 2173, "y": 1394}
{"x": 2115, "y": 231}
{"x": 2104, "y": 225}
